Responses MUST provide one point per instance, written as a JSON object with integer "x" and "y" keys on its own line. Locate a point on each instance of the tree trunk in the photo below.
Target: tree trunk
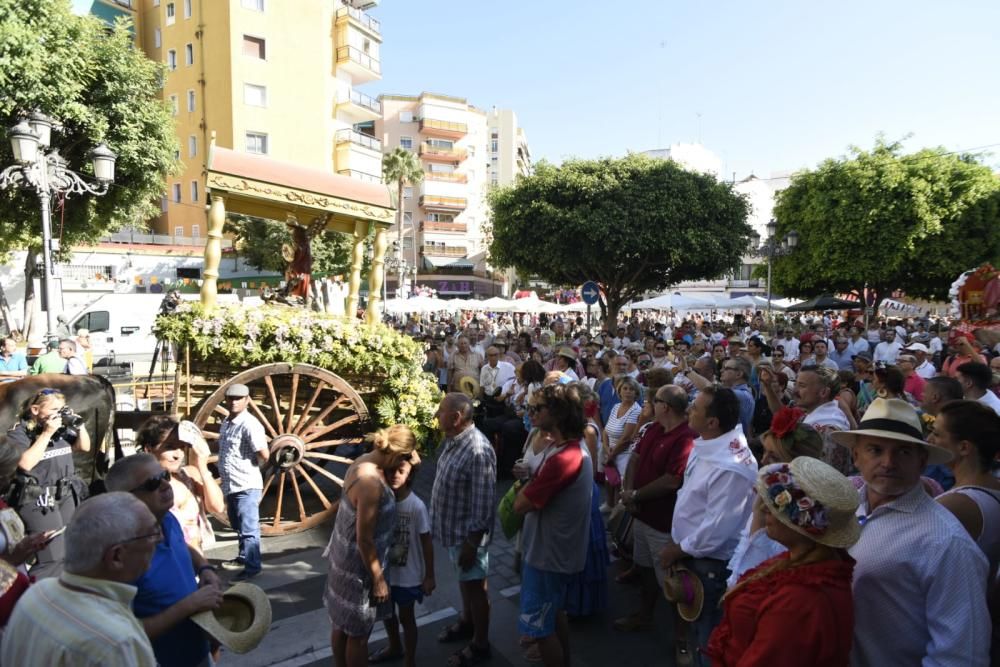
{"x": 416, "y": 269}
{"x": 399, "y": 235}
{"x": 610, "y": 307}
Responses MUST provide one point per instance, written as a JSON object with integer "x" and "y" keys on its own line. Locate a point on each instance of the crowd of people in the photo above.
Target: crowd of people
{"x": 826, "y": 495}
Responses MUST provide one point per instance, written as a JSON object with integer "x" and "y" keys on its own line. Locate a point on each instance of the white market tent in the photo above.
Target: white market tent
{"x": 677, "y": 301}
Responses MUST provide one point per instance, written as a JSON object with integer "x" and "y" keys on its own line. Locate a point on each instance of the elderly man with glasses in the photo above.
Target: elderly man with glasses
{"x": 179, "y": 582}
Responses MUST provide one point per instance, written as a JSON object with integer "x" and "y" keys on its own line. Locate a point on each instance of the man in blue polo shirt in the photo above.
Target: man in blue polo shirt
{"x": 179, "y": 582}
{"x": 13, "y": 365}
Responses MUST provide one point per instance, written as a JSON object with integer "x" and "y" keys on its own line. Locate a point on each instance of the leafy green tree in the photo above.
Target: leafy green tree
{"x": 403, "y": 168}
{"x": 632, "y": 224}
{"x": 101, "y": 88}
{"x": 886, "y": 221}
{"x": 259, "y": 242}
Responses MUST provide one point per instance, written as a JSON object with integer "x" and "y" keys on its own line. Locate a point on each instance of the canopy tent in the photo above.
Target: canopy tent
{"x": 823, "y": 302}
{"x": 496, "y": 304}
{"x": 532, "y": 304}
{"x": 418, "y": 304}
{"x": 677, "y": 301}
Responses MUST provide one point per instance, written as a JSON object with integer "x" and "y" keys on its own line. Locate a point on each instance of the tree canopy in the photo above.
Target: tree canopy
{"x": 101, "y": 88}
{"x": 403, "y": 168}
{"x": 259, "y": 243}
{"x": 887, "y": 221}
{"x": 631, "y": 224}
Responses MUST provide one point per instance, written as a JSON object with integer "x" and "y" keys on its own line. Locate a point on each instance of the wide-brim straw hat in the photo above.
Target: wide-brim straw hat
{"x": 567, "y": 352}
{"x": 823, "y": 486}
{"x": 893, "y": 419}
{"x": 469, "y": 386}
{"x": 683, "y": 587}
{"x": 242, "y": 621}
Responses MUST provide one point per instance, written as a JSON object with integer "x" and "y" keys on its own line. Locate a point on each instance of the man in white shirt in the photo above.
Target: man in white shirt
{"x": 975, "y": 379}
{"x": 816, "y": 392}
{"x": 920, "y": 580}
{"x": 925, "y": 368}
{"x": 74, "y": 364}
{"x": 888, "y": 350}
{"x": 820, "y": 358}
{"x": 790, "y": 343}
{"x": 492, "y": 377}
{"x": 856, "y": 344}
{"x": 712, "y": 505}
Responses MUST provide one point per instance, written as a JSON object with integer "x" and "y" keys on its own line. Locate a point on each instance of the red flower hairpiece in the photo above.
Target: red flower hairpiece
{"x": 785, "y": 421}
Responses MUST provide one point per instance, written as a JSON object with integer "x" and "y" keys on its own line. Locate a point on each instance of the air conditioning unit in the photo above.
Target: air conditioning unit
{"x": 363, "y": 4}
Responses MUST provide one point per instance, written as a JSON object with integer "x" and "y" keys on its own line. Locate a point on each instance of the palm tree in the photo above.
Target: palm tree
{"x": 403, "y": 168}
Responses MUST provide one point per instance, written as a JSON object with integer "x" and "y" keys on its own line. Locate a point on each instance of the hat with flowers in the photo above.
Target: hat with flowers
{"x": 813, "y": 499}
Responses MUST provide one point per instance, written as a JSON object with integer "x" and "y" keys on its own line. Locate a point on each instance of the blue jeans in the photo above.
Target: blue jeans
{"x": 242, "y": 508}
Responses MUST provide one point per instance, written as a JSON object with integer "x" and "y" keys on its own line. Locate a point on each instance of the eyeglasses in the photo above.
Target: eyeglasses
{"x": 659, "y": 400}
{"x": 153, "y": 483}
{"x": 156, "y": 537}
{"x": 535, "y": 409}
{"x": 660, "y": 347}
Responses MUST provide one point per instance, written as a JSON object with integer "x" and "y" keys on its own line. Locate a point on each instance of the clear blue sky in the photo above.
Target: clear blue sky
{"x": 779, "y": 84}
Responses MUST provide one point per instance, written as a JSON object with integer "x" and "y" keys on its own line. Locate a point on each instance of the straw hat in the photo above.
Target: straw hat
{"x": 894, "y": 419}
{"x": 683, "y": 587}
{"x": 567, "y": 352}
{"x": 469, "y": 386}
{"x": 242, "y": 621}
{"x": 813, "y": 499}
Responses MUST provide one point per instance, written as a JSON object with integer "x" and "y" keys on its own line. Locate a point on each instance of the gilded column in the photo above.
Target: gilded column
{"x": 376, "y": 277}
{"x": 213, "y": 251}
{"x": 357, "y": 261}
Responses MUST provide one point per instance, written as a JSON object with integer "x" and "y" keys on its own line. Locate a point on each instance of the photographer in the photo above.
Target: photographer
{"x": 46, "y": 490}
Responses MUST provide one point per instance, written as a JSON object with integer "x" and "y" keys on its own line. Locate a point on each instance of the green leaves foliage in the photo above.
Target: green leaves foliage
{"x": 632, "y": 224}
{"x": 259, "y": 242}
{"x": 887, "y": 220}
{"x": 93, "y": 80}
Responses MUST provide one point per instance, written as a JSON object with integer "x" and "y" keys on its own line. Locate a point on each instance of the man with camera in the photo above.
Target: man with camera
{"x": 46, "y": 491}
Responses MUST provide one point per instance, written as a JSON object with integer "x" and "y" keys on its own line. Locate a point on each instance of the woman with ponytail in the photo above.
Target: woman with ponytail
{"x": 357, "y": 593}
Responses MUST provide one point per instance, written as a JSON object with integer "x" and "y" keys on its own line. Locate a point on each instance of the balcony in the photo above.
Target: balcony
{"x": 360, "y": 175}
{"x": 361, "y": 66}
{"x": 359, "y": 107}
{"x": 360, "y": 19}
{"x": 354, "y": 137}
{"x": 443, "y": 128}
{"x": 744, "y": 284}
{"x": 441, "y": 250}
{"x": 443, "y": 203}
{"x": 446, "y": 177}
{"x": 452, "y": 227}
{"x": 441, "y": 154}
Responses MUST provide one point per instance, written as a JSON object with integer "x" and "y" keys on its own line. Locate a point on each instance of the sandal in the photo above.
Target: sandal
{"x": 469, "y": 656}
{"x": 383, "y": 655}
{"x": 455, "y": 632}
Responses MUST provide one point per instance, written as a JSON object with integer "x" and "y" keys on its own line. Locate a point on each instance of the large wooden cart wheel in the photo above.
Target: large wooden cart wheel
{"x": 314, "y": 422}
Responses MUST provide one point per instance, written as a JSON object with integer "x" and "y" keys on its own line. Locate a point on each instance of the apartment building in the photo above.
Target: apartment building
{"x": 269, "y": 77}
{"x": 510, "y": 157}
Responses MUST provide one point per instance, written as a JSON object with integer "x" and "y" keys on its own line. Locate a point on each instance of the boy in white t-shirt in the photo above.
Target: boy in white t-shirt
{"x": 411, "y": 566}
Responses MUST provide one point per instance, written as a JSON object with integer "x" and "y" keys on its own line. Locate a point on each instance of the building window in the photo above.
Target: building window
{"x": 406, "y": 142}
{"x": 190, "y": 99}
{"x": 196, "y": 232}
{"x": 178, "y": 231}
{"x": 494, "y": 145}
{"x": 256, "y": 5}
{"x": 253, "y": 47}
{"x": 174, "y": 108}
{"x": 177, "y": 193}
{"x": 407, "y": 219}
{"x": 405, "y": 116}
{"x": 156, "y": 3}
{"x": 254, "y": 95}
{"x": 408, "y": 192}
{"x": 187, "y": 9}
{"x": 189, "y": 54}
{"x": 192, "y": 146}
{"x": 157, "y": 38}
{"x": 172, "y": 59}
{"x": 194, "y": 191}
{"x": 171, "y": 16}
{"x": 257, "y": 143}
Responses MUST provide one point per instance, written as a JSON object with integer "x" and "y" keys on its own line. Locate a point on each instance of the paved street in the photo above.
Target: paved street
{"x": 294, "y": 576}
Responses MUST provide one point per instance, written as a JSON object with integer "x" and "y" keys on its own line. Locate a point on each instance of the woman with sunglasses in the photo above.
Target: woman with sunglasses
{"x": 46, "y": 489}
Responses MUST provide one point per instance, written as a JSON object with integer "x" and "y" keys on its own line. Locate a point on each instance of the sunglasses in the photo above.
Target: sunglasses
{"x": 152, "y": 484}
{"x": 535, "y": 409}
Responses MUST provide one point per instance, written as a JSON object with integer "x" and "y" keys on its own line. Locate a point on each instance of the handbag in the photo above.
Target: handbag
{"x": 510, "y": 521}
{"x": 620, "y": 528}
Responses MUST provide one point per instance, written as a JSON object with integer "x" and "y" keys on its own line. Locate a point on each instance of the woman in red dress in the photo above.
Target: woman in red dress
{"x": 796, "y": 608}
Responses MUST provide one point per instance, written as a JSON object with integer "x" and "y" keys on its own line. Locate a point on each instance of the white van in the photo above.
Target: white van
{"x": 121, "y": 326}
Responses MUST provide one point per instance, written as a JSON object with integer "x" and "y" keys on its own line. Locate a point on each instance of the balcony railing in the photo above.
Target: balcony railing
{"x": 431, "y": 226}
{"x": 360, "y": 175}
{"x": 444, "y": 250}
{"x": 732, "y": 282}
{"x": 432, "y": 152}
{"x": 367, "y": 21}
{"x": 447, "y": 177}
{"x": 436, "y": 201}
{"x": 354, "y": 137}
{"x": 345, "y": 53}
{"x": 445, "y": 127}
{"x": 366, "y": 101}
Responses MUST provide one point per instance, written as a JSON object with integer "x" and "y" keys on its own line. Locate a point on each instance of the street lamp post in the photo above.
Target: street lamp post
{"x": 771, "y": 248}
{"x": 47, "y": 173}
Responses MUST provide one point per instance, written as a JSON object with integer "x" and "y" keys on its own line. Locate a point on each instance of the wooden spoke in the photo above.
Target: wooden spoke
{"x": 316, "y": 444}
{"x": 275, "y": 404}
{"x": 291, "y": 403}
{"x": 318, "y": 419}
{"x": 263, "y": 420}
{"x": 350, "y": 419}
{"x": 267, "y": 485}
{"x": 309, "y": 480}
{"x": 221, "y": 409}
{"x": 323, "y": 471}
{"x": 281, "y": 496}
{"x": 312, "y": 401}
{"x": 329, "y": 457}
{"x": 209, "y": 435}
{"x": 298, "y": 496}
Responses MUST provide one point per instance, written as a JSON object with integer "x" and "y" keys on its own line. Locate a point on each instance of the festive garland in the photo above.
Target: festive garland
{"x": 790, "y": 500}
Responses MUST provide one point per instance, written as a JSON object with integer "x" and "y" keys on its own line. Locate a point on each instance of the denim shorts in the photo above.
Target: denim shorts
{"x": 543, "y": 596}
{"x": 406, "y": 596}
